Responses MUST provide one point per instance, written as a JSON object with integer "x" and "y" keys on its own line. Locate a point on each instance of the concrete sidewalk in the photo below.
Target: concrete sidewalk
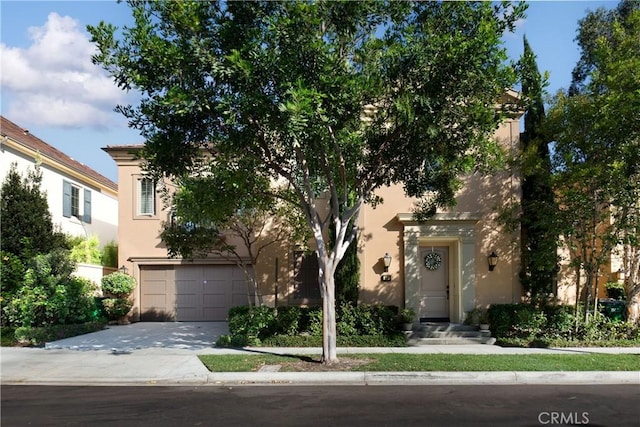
{"x": 167, "y": 353}
{"x": 179, "y": 366}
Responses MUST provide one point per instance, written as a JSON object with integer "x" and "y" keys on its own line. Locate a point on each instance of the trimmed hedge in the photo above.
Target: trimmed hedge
{"x": 528, "y": 325}
{"x": 364, "y": 325}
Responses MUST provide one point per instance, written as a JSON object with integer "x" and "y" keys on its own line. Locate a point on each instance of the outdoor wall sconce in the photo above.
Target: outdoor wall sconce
{"x": 493, "y": 260}
{"x": 620, "y": 273}
{"x": 386, "y": 277}
{"x": 124, "y": 269}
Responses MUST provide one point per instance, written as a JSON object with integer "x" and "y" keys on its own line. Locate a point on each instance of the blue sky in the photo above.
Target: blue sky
{"x": 49, "y": 86}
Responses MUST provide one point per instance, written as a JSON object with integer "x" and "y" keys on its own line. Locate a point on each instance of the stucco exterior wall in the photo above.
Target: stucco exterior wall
{"x": 478, "y": 202}
{"x": 470, "y": 231}
{"x": 104, "y": 202}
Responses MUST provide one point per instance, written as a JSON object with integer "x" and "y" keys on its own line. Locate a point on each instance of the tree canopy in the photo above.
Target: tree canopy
{"x": 597, "y": 151}
{"x": 339, "y": 98}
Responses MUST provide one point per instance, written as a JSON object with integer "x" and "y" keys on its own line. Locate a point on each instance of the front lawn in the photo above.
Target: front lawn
{"x": 428, "y": 362}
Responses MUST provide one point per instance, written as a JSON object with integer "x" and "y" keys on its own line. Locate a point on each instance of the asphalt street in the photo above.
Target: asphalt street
{"x": 442, "y": 405}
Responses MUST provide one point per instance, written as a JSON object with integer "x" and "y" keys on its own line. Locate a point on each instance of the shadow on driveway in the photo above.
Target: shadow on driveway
{"x": 175, "y": 335}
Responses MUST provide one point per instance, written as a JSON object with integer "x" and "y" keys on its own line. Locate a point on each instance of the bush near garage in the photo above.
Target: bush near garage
{"x": 362, "y": 325}
{"x": 50, "y": 295}
{"x": 118, "y": 285}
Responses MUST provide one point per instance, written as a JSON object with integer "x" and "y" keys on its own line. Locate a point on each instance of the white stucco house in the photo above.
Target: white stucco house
{"x": 82, "y": 201}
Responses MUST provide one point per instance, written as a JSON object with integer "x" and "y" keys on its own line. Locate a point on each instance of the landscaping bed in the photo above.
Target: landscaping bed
{"x": 38, "y": 336}
{"x": 357, "y": 326}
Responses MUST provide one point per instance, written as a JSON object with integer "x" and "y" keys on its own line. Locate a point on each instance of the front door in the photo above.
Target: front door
{"x": 434, "y": 284}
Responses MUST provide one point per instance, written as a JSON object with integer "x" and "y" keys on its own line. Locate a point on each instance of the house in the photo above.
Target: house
{"x": 82, "y": 202}
{"x": 459, "y": 259}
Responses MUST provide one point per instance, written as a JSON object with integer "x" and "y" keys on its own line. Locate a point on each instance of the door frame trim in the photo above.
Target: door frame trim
{"x": 458, "y": 233}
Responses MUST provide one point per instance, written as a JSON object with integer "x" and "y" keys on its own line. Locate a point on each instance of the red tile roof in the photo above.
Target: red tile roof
{"x": 23, "y": 137}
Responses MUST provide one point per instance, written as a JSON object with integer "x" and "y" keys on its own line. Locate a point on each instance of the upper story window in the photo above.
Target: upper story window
{"x": 75, "y": 201}
{"x": 73, "y": 197}
{"x": 146, "y": 197}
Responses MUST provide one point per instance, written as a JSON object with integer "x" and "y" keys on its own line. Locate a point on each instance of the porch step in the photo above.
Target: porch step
{"x": 448, "y": 334}
{"x": 446, "y": 327}
{"x": 450, "y": 341}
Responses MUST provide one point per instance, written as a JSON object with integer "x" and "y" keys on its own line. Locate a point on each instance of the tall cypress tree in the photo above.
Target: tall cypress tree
{"x": 27, "y": 228}
{"x": 539, "y": 257}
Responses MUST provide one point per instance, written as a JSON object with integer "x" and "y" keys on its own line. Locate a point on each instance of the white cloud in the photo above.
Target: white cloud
{"x": 53, "y": 82}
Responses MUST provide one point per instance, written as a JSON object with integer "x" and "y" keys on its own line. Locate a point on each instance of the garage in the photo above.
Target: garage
{"x": 190, "y": 293}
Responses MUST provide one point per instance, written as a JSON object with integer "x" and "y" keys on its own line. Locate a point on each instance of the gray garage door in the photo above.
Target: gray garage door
{"x": 190, "y": 292}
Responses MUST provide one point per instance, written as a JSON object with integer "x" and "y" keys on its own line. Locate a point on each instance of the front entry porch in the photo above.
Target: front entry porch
{"x": 439, "y": 266}
{"x": 444, "y": 333}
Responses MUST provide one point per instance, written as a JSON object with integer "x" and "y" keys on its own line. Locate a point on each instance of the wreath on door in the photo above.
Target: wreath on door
{"x": 432, "y": 261}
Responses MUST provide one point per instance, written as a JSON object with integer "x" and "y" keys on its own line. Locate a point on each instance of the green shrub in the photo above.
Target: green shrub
{"x": 288, "y": 320}
{"x": 100, "y": 312}
{"x": 393, "y": 340}
{"x": 56, "y": 263}
{"x": 116, "y": 308}
{"x": 561, "y": 321}
{"x": 525, "y": 320}
{"x": 12, "y": 273}
{"x": 314, "y": 324}
{"x": 615, "y": 290}
{"x": 80, "y": 302}
{"x": 109, "y": 255}
{"x": 40, "y": 335}
{"x": 527, "y": 325}
{"x": 347, "y": 319}
{"x": 258, "y": 322}
{"x": 11, "y": 279}
{"x": 293, "y": 341}
{"x": 406, "y": 315}
{"x": 86, "y": 250}
{"x": 267, "y": 326}
{"x": 118, "y": 284}
{"x": 50, "y": 295}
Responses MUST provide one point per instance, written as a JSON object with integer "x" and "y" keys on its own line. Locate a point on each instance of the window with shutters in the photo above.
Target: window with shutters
{"x": 71, "y": 201}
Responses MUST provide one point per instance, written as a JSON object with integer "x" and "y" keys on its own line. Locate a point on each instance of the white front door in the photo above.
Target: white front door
{"x": 434, "y": 283}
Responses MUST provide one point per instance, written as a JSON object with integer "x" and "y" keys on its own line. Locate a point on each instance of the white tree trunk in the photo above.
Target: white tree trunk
{"x": 631, "y": 262}
{"x": 329, "y": 332}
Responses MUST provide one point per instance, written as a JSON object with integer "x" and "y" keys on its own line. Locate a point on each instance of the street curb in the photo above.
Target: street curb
{"x": 358, "y": 379}
{"x": 425, "y": 378}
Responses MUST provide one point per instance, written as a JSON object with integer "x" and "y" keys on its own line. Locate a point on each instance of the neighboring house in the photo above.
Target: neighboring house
{"x": 82, "y": 202}
{"x": 440, "y": 267}
{"x": 612, "y": 270}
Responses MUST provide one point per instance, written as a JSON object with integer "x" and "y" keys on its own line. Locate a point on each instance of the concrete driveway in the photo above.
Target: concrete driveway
{"x": 135, "y": 336}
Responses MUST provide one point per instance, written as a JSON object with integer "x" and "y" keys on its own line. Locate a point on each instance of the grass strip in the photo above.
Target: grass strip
{"x": 432, "y": 362}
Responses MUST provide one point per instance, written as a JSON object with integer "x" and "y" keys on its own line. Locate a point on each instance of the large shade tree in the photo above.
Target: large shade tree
{"x": 597, "y": 152}
{"x": 228, "y": 212}
{"x": 339, "y": 98}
